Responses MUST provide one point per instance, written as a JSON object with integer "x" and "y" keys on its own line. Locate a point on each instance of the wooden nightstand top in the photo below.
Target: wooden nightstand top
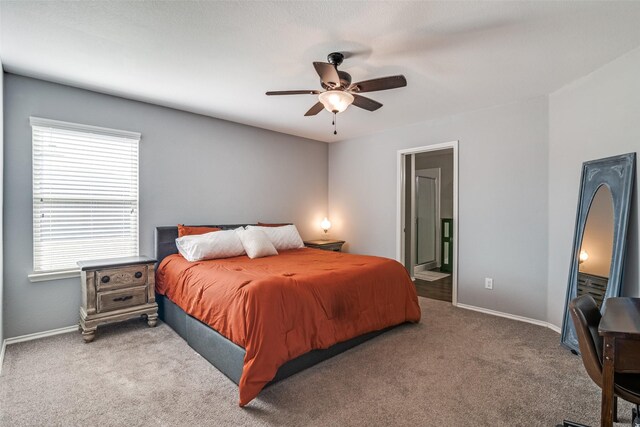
{"x": 321, "y": 242}
{"x": 114, "y": 262}
{"x": 327, "y": 245}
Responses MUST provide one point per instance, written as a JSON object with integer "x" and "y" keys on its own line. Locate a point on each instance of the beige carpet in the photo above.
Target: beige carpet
{"x": 455, "y": 368}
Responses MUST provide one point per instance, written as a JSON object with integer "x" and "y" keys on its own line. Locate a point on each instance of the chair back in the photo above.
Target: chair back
{"x": 586, "y": 318}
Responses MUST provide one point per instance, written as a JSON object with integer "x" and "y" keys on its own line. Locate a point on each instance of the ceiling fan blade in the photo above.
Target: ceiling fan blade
{"x": 328, "y": 74}
{"x": 294, "y": 92}
{"x": 382, "y": 83}
{"x": 317, "y": 107}
{"x": 365, "y": 103}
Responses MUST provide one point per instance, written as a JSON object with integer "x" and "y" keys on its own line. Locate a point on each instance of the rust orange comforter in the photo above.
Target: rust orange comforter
{"x": 280, "y": 307}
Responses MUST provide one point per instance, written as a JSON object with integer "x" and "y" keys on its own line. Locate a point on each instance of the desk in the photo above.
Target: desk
{"x": 620, "y": 330}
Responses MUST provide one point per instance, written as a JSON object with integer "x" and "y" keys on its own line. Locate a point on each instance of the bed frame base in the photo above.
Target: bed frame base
{"x": 228, "y": 357}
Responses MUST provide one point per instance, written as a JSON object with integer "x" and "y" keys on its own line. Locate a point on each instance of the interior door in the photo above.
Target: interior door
{"x": 427, "y": 221}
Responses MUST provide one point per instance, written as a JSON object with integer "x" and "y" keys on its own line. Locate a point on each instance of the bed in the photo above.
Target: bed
{"x": 259, "y": 321}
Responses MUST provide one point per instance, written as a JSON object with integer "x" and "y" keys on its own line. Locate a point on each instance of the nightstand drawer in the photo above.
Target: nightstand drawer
{"x": 122, "y": 298}
{"x": 123, "y": 277}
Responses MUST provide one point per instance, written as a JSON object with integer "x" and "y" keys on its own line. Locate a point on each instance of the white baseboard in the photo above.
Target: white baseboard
{"x": 38, "y": 335}
{"x": 2, "y": 350}
{"x": 35, "y": 336}
{"x": 511, "y": 316}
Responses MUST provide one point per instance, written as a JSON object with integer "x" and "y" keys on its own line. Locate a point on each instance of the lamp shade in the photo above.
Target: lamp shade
{"x": 325, "y": 224}
{"x": 335, "y": 101}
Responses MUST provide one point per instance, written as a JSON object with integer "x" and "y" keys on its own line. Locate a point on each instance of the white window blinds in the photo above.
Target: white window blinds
{"x": 85, "y": 194}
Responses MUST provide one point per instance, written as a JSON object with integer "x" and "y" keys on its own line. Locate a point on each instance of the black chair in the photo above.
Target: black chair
{"x": 586, "y": 318}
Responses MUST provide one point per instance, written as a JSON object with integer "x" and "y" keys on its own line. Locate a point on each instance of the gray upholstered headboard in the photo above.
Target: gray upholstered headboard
{"x": 166, "y": 238}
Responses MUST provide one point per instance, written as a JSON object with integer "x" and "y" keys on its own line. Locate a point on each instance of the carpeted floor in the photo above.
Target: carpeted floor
{"x": 455, "y": 368}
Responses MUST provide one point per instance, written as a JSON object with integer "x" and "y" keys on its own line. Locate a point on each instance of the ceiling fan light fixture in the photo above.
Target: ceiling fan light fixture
{"x": 338, "y": 87}
{"x": 336, "y": 101}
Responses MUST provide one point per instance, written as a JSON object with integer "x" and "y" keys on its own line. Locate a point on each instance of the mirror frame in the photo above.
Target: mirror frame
{"x": 618, "y": 174}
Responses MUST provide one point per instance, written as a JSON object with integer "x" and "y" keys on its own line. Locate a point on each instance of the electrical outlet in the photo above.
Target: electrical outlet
{"x": 488, "y": 283}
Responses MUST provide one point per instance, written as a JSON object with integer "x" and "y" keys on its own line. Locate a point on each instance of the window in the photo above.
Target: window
{"x": 85, "y": 194}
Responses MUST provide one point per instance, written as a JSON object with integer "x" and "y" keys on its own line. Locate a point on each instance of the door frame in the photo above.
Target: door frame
{"x": 400, "y": 205}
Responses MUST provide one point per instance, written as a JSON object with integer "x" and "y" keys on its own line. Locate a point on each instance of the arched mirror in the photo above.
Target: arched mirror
{"x": 594, "y": 258}
{"x": 600, "y": 235}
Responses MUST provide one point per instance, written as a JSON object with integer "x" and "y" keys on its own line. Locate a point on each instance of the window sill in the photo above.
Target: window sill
{"x": 53, "y": 275}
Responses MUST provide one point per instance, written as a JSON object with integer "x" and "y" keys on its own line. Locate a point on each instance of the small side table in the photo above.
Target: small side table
{"x": 620, "y": 330}
{"x": 327, "y": 245}
{"x": 116, "y": 289}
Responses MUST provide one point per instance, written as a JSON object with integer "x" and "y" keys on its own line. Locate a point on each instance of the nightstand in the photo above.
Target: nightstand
{"x": 327, "y": 245}
{"x": 116, "y": 289}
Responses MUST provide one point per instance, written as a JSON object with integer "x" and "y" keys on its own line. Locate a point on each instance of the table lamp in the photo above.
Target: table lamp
{"x": 325, "y": 224}
{"x": 583, "y": 257}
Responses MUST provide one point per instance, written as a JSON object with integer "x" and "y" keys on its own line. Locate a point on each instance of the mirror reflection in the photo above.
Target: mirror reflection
{"x": 597, "y": 247}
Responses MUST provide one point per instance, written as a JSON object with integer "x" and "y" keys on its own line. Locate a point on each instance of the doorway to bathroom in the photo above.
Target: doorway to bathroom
{"x": 427, "y": 231}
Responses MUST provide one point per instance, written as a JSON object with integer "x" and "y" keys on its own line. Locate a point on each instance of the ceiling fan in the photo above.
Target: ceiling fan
{"x": 339, "y": 92}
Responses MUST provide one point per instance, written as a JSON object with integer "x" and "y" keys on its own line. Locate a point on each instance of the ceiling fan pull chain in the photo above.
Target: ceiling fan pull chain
{"x": 335, "y": 124}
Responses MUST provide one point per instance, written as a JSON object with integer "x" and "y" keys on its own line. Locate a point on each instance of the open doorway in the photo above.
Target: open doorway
{"x": 427, "y": 218}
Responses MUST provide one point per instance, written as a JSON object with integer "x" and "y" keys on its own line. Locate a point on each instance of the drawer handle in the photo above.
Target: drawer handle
{"x": 105, "y": 279}
{"x": 138, "y": 274}
{"x": 128, "y": 297}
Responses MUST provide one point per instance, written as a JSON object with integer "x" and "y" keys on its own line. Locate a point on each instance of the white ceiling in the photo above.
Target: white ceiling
{"x": 218, "y": 58}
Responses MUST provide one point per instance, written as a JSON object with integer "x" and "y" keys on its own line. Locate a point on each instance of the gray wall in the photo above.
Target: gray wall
{"x": 519, "y": 173}
{"x": 594, "y": 117}
{"x": 502, "y": 199}
{"x": 193, "y": 169}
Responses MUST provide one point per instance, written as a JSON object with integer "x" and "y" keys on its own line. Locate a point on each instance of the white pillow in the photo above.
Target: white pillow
{"x": 217, "y": 244}
{"x": 283, "y": 238}
{"x": 256, "y": 243}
